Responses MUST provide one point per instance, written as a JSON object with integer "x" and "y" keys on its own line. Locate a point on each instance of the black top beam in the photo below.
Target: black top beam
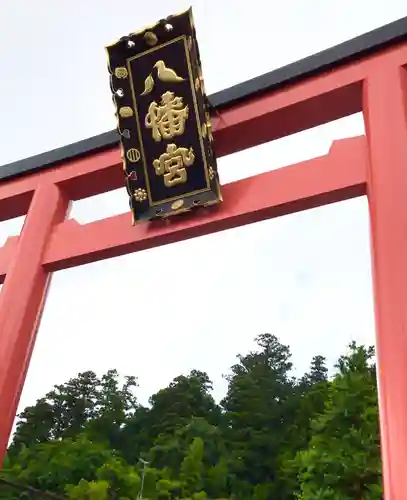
{"x": 351, "y": 50}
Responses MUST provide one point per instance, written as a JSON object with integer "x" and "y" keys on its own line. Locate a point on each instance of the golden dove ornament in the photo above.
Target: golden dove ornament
{"x": 166, "y": 74}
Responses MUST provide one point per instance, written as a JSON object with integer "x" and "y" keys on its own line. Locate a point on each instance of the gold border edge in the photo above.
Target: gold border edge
{"x": 151, "y": 27}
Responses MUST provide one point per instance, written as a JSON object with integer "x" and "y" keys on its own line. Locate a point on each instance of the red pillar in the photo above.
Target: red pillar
{"x": 385, "y": 110}
{"x": 22, "y": 299}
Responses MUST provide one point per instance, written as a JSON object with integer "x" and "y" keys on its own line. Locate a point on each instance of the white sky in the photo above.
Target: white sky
{"x": 305, "y": 277}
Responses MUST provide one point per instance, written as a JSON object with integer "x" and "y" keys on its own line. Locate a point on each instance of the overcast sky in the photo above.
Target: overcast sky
{"x": 305, "y": 278}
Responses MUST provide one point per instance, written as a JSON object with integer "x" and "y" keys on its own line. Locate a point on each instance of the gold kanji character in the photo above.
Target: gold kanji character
{"x": 172, "y": 164}
{"x": 167, "y": 119}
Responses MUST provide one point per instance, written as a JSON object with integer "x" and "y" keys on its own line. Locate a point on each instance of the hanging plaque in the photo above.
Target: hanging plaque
{"x": 163, "y": 119}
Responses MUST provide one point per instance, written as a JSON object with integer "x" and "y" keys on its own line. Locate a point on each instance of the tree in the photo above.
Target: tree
{"x": 217, "y": 479}
{"x": 162, "y": 433}
{"x": 318, "y": 372}
{"x": 169, "y": 450}
{"x": 307, "y": 403}
{"x": 88, "y": 490}
{"x": 135, "y": 435}
{"x": 255, "y": 411}
{"x": 186, "y": 397}
{"x": 83, "y": 404}
{"x": 273, "y": 437}
{"x": 192, "y": 469}
{"x": 35, "y": 425}
{"x": 115, "y": 404}
{"x": 52, "y": 465}
{"x": 63, "y": 412}
{"x": 343, "y": 458}
{"x": 114, "y": 480}
{"x": 123, "y": 480}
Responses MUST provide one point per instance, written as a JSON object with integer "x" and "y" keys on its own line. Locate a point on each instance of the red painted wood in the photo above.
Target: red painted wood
{"x": 272, "y": 115}
{"x": 386, "y": 128}
{"x": 12, "y": 205}
{"x": 337, "y": 176}
{"x": 7, "y": 252}
{"x": 48, "y": 243}
{"x": 312, "y": 102}
{"x": 80, "y": 178}
{"x": 22, "y": 299}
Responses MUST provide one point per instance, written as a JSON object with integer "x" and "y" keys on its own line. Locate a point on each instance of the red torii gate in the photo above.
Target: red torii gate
{"x": 365, "y": 74}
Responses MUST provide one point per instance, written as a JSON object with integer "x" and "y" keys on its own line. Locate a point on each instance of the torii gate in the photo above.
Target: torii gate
{"x": 366, "y": 74}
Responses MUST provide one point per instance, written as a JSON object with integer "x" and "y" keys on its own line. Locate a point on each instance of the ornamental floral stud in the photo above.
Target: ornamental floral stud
{"x": 140, "y": 195}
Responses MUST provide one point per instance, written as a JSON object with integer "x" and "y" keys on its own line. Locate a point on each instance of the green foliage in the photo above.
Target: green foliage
{"x": 88, "y": 490}
{"x": 123, "y": 480}
{"x": 168, "y": 451}
{"x": 185, "y": 398}
{"x": 53, "y": 465}
{"x": 192, "y": 468}
{"x": 260, "y": 392}
{"x": 84, "y": 404}
{"x": 271, "y": 438}
{"x": 343, "y": 455}
{"x": 216, "y": 483}
{"x": 114, "y": 479}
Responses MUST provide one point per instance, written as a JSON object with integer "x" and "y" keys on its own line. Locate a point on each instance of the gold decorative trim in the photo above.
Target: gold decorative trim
{"x": 209, "y": 130}
{"x": 177, "y": 204}
{"x": 140, "y": 195}
{"x": 133, "y": 155}
{"x": 150, "y": 38}
{"x": 168, "y": 105}
{"x": 148, "y": 85}
{"x": 126, "y": 112}
{"x": 204, "y": 130}
{"x": 166, "y": 74}
{"x": 212, "y": 202}
{"x": 166, "y": 215}
{"x": 151, "y": 28}
{"x": 121, "y": 72}
{"x": 196, "y": 104}
{"x": 190, "y": 75}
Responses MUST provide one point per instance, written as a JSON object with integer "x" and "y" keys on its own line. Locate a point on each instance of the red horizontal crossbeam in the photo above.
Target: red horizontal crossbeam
{"x": 339, "y": 175}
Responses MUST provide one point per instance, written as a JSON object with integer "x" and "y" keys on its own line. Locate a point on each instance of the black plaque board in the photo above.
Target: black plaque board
{"x": 163, "y": 119}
